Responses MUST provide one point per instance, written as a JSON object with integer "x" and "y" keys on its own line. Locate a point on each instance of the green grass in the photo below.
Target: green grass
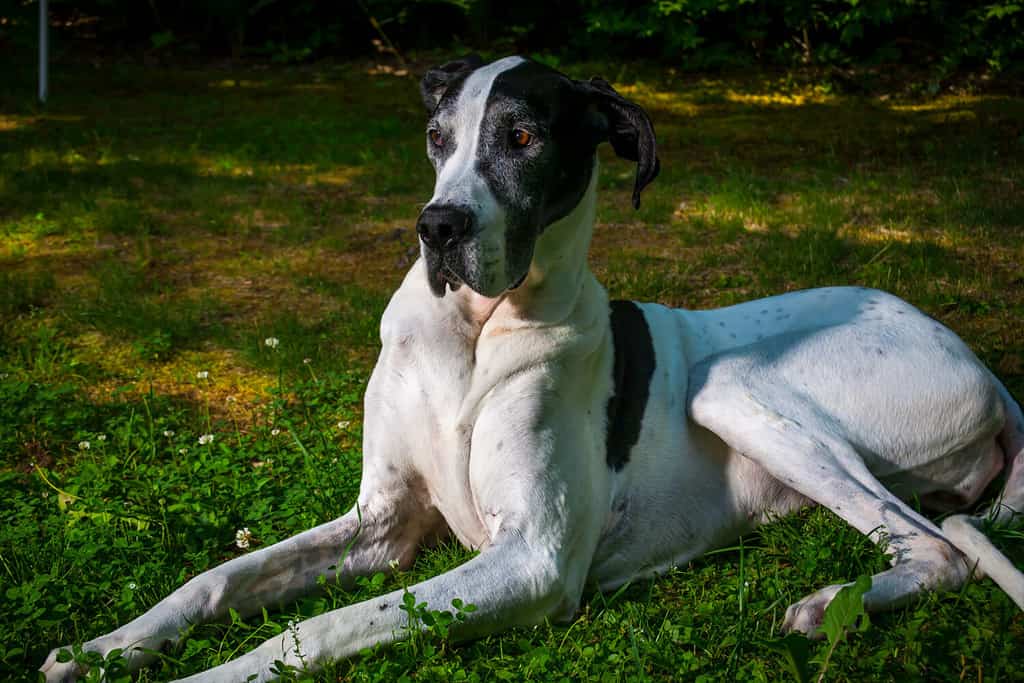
{"x": 155, "y": 224}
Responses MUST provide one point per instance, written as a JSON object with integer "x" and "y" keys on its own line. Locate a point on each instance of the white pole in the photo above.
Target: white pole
{"x": 44, "y": 48}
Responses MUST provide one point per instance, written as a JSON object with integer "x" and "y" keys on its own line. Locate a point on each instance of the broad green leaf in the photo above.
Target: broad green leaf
{"x": 846, "y": 611}
{"x": 795, "y": 649}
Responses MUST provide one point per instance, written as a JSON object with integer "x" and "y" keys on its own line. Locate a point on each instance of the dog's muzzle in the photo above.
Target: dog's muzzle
{"x": 443, "y": 229}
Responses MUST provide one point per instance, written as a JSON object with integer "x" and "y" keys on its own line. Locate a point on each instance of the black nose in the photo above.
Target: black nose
{"x": 443, "y": 227}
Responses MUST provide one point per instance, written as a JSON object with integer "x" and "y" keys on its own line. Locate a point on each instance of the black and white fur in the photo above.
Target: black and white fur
{"x": 574, "y": 441}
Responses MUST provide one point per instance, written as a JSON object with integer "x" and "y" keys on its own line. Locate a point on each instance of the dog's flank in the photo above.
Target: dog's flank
{"x": 571, "y": 440}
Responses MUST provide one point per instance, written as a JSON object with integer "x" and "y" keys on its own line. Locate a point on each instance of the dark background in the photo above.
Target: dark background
{"x": 944, "y": 37}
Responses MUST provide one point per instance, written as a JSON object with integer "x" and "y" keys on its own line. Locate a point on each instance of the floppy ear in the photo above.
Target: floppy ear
{"x": 436, "y": 81}
{"x": 629, "y": 130}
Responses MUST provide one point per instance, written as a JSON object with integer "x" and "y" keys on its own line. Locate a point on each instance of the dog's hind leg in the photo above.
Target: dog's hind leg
{"x": 965, "y": 530}
{"x": 360, "y": 542}
{"x": 805, "y": 450}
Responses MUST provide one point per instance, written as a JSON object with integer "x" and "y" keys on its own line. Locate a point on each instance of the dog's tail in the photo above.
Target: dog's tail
{"x": 964, "y": 531}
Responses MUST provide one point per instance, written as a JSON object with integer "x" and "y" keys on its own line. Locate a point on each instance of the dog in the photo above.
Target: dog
{"x": 576, "y": 441}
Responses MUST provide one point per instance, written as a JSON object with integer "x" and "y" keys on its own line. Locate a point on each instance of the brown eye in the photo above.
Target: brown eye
{"x": 520, "y": 138}
{"x": 435, "y": 137}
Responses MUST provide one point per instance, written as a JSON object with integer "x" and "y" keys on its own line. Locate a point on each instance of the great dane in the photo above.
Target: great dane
{"x": 578, "y": 441}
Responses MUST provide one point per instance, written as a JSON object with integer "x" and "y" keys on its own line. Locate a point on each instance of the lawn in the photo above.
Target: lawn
{"x": 158, "y": 227}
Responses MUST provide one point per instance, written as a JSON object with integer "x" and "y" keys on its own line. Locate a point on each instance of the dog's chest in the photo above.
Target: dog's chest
{"x": 429, "y": 394}
{"x": 445, "y": 466}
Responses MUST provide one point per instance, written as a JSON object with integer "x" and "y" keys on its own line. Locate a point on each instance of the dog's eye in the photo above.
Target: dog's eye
{"x": 435, "y": 137}
{"x": 521, "y": 138}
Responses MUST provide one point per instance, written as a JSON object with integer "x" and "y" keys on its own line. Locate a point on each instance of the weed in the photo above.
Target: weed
{"x": 427, "y": 630}
{"x": 111, "y": 668}
{"x": 843, "y": 615}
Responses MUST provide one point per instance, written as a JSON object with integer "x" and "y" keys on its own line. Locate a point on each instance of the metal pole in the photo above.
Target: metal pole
{"x": 44, "y": 49}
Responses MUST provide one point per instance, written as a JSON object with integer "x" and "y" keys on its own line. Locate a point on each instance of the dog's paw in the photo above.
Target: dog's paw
{"x": 60, "y": 672}
{"x": 807, "y": 615}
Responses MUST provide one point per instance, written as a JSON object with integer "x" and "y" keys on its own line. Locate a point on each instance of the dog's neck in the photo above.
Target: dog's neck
{"x": 557, "y": 274}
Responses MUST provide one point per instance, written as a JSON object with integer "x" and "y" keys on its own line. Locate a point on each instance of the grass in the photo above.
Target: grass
{"x": 158, "y": 224}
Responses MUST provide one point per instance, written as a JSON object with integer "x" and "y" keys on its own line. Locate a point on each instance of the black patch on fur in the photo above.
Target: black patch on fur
{"x": 441, "y": 87}
{"x": 542, "y": 183}
{"x": 629, "y": 130}
{"x": 631, "y": 376}
{"x": 438, "y": 82}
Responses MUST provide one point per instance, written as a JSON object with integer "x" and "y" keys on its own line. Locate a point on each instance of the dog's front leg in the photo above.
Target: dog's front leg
{"x": 362, "y": 541}
{"x": 510, "y": 584}
{"x": 538, "y": 484}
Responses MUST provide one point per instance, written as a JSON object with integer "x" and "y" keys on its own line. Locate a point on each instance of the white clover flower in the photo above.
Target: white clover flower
{"x": 344, "y": 424}
{"x": 275, "y": 431}
{"x": 243, "y": 537}
{"x": 205, "y": 439}
{"x": 307, "y": 361}
{"x": 83, "y": 445}
{"x": 101, "y": 437}
{"x": 272, "y": 342}
{"x": 202, "y": 374}
{"x": 182, "y": 451}
{"x": 168, "y": 433}
{"x": 132, "y": 586}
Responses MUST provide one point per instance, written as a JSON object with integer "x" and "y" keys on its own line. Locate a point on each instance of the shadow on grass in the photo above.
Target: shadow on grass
{"x": 220, "y": 205}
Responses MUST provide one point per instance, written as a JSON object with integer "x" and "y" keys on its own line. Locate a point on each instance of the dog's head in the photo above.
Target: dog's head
{"x": 513, "y": 145}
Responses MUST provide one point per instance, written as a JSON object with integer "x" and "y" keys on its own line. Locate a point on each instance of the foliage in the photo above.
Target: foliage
{"x": 698, "y": 34}
{"x": 111, "y": 668}
{"x": 425, "y": 627}
{"x": 843, "y": 615}
{"x": 727, "y": 32}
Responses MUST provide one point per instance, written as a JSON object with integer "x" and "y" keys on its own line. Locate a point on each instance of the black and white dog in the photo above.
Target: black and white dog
{"x": 573, "y": 440}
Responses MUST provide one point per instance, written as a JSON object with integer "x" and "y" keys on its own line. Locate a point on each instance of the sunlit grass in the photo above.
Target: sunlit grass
{"x": 159, "y": 224}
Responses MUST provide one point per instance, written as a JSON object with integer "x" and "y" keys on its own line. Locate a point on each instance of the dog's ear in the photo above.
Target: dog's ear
{"x": 627, "y": 127}
{"x": 436, "y": 81}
